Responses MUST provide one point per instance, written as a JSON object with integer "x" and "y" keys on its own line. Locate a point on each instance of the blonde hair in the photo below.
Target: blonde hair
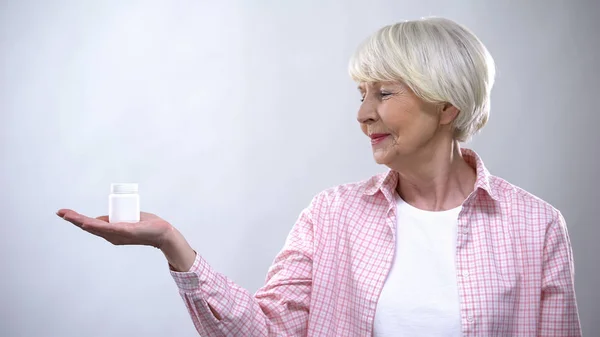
{"x": 440, "y": 60}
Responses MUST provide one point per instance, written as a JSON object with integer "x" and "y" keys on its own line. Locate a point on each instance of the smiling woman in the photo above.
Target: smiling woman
{"x": 439, "y": 60}
{"x": 436, "y": 246}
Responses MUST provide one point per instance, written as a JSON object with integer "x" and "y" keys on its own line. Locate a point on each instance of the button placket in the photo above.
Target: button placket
{"x": 463, "y": 273}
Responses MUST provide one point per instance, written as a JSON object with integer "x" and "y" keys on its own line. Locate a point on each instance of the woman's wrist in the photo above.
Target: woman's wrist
{"x": 177, "y": 250}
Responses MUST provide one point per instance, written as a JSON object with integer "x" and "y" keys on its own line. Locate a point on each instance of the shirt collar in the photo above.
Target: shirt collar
{"x": 387, "y": 182}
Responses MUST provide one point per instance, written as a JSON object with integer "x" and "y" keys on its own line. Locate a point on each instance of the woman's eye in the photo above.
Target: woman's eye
{"x": 383, "y": 95}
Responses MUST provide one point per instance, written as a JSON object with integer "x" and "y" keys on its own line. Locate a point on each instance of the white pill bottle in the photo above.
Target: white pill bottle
{"x": 123, "y": 203}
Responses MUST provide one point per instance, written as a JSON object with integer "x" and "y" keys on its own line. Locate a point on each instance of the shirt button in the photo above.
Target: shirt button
{"x": 470, "y": 319}
{"x": 465, "y": 273}
{"x": 465, "y": 230}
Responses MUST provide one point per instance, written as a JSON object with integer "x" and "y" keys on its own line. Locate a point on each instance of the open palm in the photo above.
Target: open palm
{"x": 149, "y": 231}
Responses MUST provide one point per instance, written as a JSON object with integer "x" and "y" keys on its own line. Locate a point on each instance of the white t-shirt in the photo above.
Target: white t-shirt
{"x": 420, "y": 294}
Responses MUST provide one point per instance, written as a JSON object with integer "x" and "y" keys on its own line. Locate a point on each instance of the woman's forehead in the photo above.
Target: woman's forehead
{"x": 378, "y": 84}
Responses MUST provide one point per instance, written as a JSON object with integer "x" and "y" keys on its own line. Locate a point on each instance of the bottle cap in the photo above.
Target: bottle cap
{"x": 120, "y": 188}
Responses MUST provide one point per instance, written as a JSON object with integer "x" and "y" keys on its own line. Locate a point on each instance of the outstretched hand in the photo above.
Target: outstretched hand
{"x": 149, "y": 231}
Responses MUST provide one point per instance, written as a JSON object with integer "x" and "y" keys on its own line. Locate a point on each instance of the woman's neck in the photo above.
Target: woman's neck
{"x": 436, "y": 180}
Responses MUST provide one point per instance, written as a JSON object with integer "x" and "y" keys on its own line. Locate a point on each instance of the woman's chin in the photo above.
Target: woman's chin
{"x": 381, "y": 157}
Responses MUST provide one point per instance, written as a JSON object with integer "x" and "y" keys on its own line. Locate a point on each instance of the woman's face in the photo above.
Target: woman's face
{"x": 398, "y": 122}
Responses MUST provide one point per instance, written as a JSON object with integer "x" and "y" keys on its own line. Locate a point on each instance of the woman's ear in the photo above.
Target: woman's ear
{"x": 448, "y": 113}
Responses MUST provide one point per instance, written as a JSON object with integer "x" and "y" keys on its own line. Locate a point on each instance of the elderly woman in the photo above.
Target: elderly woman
{"x": 437, "y": 246}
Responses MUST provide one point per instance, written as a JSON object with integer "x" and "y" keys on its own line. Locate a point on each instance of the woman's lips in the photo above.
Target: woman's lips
{"x": 377, "y": 138}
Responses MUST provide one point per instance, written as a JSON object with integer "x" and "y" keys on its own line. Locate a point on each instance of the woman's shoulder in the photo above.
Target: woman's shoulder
{"x": 352, "y": 191}
{"x": 522, "y": 201}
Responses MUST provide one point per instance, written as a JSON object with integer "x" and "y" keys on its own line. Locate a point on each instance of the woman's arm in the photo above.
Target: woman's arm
{"x": 558, "y": 310}
{"x": 177, "y": 250}
{"x": 219, "y": 307}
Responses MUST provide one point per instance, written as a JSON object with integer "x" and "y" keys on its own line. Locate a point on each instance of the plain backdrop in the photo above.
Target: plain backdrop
{"x": 231, "y": 116}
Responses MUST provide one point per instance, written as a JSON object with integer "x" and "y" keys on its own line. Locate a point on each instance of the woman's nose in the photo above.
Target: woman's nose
{"x": 367, "y": 113}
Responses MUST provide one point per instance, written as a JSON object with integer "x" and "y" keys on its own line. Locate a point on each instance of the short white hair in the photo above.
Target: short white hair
{"x": 439, "y": 59}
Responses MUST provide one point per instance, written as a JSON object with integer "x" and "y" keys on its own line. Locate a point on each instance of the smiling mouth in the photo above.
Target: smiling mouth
{"x": 377, "y": 138}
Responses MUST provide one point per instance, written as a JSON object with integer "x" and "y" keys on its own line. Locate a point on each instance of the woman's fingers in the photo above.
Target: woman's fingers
{"x": 61, "y": 212}
{"x": 103, "y": 218}
{"x": 85, "y": 222}
{"x": 70, "y": 216}
{"x": 149, "y": 231}
{"x": 147, "y": 216}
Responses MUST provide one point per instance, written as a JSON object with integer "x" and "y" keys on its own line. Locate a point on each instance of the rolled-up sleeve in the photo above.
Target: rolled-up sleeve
{"x": 558, "y": 311}
{"x": 219, "y": 307}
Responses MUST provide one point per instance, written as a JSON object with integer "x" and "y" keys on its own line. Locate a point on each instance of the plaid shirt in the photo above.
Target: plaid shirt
{"x": 513, "y": 258}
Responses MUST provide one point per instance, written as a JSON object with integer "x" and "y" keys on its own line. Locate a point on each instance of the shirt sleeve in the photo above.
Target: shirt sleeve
{"x": 279, "y": 308}
{"x": 559, "y": 315}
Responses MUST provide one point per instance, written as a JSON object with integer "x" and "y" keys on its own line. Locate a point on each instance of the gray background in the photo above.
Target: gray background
{"x": 231, "y": 117}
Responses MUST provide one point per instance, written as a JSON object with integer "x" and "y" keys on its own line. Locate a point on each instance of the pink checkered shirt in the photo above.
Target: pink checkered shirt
{"x": 514, "y": 267}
